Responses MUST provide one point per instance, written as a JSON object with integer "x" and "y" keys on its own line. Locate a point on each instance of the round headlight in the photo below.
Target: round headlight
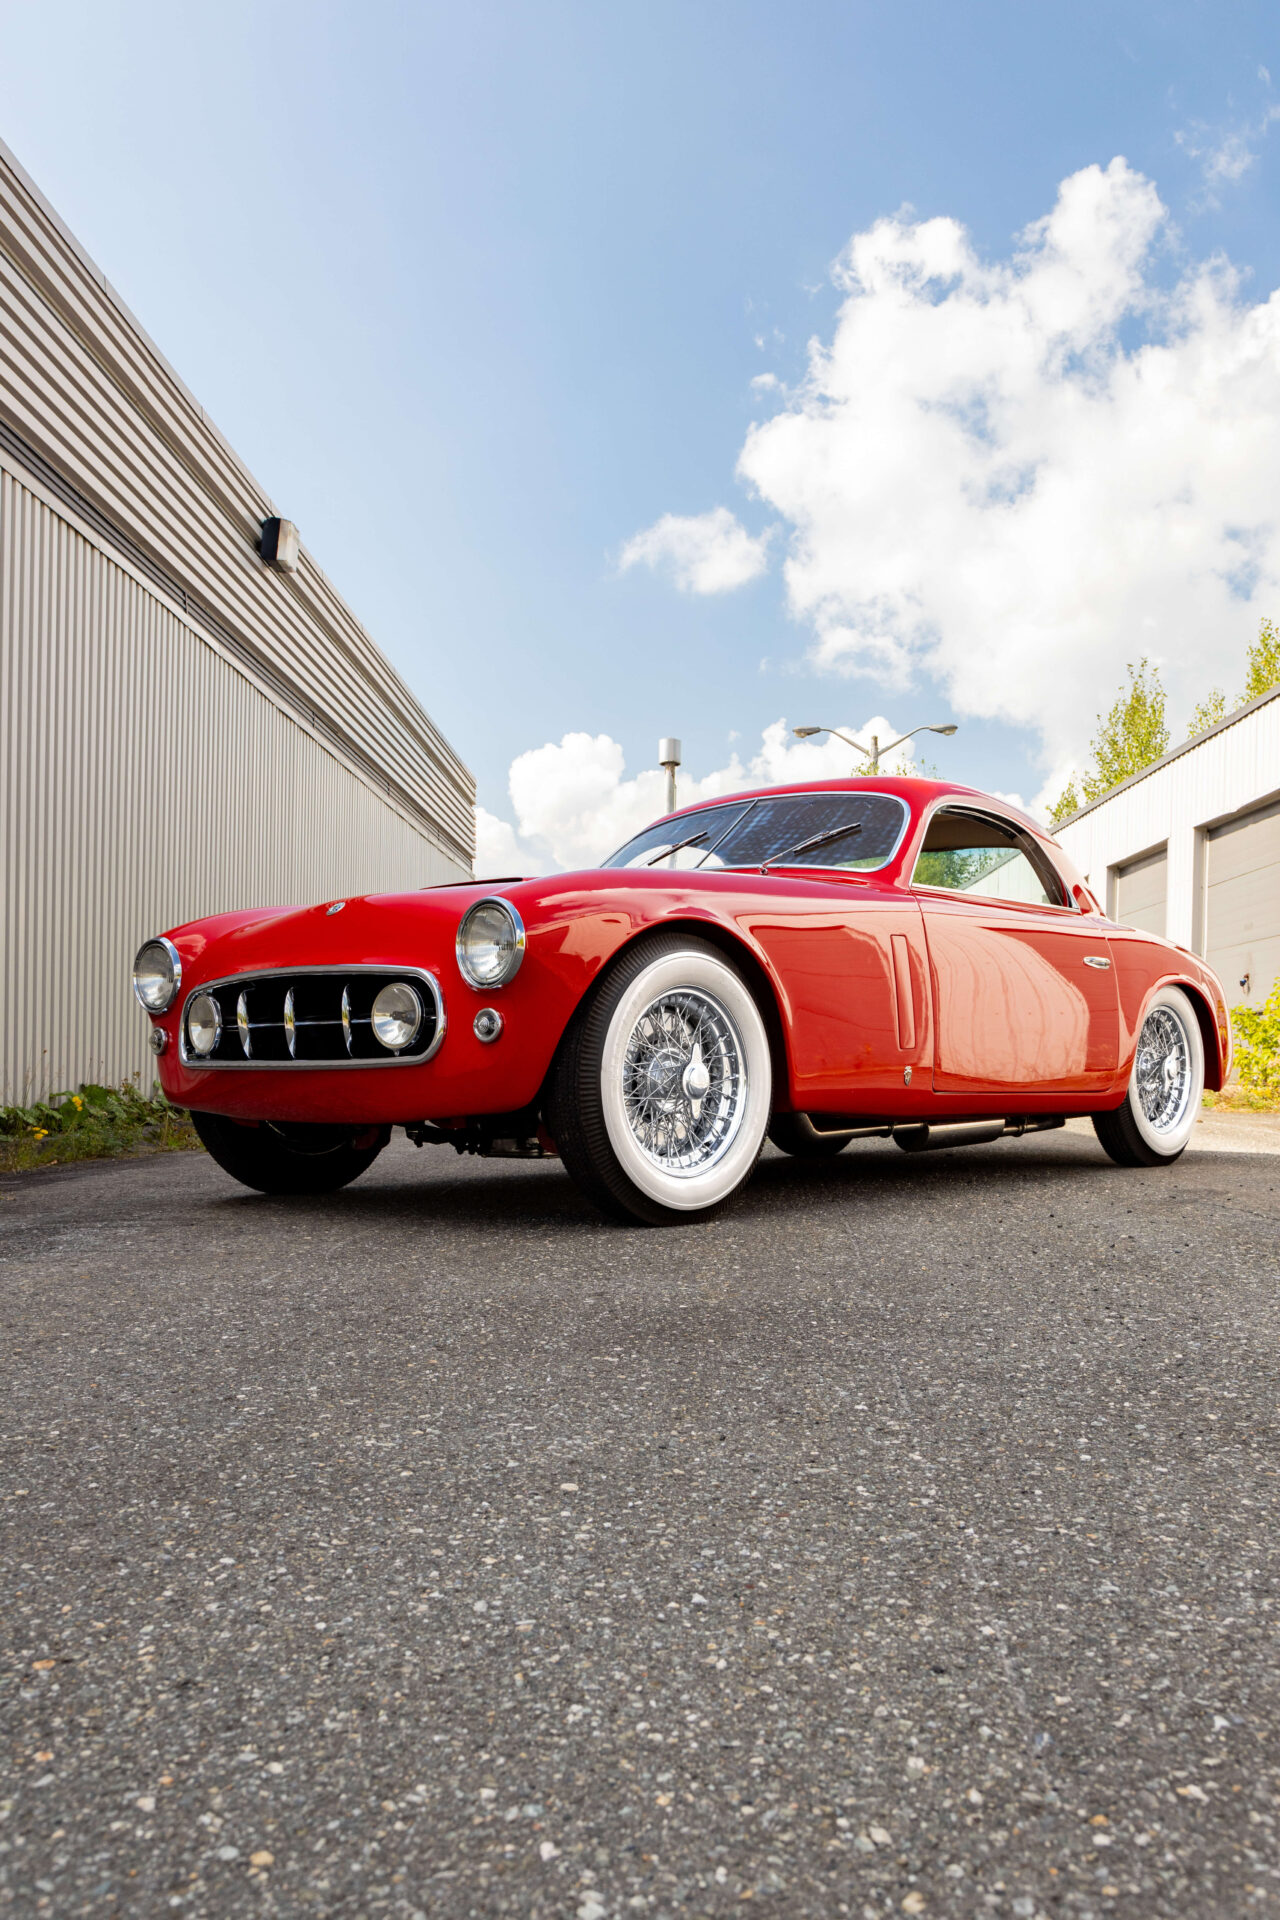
{"x": 397, "y": 1015}
{"x": 204, "y": 1024}
{"x": 490, "y": 944}
{"x": 157, "y": 975}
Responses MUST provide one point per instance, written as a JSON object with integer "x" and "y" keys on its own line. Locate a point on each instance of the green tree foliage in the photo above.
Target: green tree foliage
{"x": 1135, "y": 732}
{"x": 1208, "y": 713}
{"x": 1264, "y": 663}
{"x": 1130, "y": 737}
{"x": 1257, "y": 1033}
{"x": 1067, "y": 803}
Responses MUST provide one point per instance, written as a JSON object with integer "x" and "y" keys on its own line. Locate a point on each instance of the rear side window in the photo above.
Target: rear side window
{"x": 858, "y": 833}
{"x": 974, "y": 853}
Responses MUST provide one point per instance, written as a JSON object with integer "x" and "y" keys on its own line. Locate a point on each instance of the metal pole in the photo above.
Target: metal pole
{"x": 669, "y": 751}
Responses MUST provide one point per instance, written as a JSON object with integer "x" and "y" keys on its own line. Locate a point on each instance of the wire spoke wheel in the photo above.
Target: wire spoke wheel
{"x": 663, "y": 1084}
{"x": 1163, "y": 1071}
{"x": 1158, "y": 1115}
{"x": 684, "y": 1081}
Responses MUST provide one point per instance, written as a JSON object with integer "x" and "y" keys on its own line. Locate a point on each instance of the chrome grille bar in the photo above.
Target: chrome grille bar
{"x": 311, "y": 1018}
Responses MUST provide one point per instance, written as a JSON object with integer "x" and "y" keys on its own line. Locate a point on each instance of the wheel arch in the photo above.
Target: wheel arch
{"x": 1213, "y": 1057}
{"x": 765, "y": 989}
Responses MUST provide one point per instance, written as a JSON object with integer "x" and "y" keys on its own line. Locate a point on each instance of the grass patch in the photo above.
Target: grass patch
{"x": 93, "y": 1123}
{"x": 1243, "y": 1100}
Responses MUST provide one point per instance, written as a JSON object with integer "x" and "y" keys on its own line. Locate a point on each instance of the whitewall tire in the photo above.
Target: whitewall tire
{"x": 1166, "y": 1087}
{"x": 663, "y": 1085}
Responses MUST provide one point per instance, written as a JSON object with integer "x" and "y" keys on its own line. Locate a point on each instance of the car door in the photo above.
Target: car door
{"x": 1023, "y": 983}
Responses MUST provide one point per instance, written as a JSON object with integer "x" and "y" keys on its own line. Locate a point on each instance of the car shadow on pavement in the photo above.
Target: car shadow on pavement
{"x": 527, "y": 1195}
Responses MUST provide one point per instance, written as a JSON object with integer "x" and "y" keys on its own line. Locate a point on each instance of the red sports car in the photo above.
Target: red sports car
{"x": 814, "y": 963}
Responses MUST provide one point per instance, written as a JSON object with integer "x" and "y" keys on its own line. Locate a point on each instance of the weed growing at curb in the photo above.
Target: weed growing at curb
{"x": 93, "y": 1123}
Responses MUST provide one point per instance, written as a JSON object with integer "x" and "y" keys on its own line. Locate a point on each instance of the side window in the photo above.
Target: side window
{"x": 974, "y": 853}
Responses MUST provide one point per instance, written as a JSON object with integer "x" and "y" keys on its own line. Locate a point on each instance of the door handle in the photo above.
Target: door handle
{"x": 1097, "y": 960}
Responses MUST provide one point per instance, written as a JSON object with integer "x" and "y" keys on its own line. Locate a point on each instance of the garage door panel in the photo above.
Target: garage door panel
{"x": 1247, "y": 846}
{"x": 1242, "y": 904}
{"x": 1141, "y": 890}
{"x": 1259, "y": 964}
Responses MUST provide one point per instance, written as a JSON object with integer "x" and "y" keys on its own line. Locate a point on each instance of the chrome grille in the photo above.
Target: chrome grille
{"x": 311, "y": 1017}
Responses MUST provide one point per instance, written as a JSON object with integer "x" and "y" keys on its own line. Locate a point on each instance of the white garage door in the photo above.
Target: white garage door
{"x": 1141, "y": 886}
{"x": 1242, "y": 904}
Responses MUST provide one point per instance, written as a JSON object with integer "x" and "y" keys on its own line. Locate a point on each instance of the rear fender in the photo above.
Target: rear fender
{"x": 1217, "y": 1037}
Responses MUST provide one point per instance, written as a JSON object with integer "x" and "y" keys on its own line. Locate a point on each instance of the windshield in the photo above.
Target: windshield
{"x": 866, "y": 830}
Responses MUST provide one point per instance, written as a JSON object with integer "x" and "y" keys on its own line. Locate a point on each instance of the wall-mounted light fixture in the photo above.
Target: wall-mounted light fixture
{"x": 279, "y": 545}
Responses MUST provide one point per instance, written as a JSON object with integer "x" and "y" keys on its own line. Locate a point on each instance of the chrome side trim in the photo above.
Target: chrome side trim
{"x": 420, "y": 974}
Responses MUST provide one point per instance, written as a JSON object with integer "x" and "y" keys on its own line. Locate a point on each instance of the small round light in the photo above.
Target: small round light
{"x": 487, "y": 1025}
{"x": 397, "y": 1016}
{"x": 490, "y": 944}
{"x": 204, "y": 1024}
{"x": 157, "y": 975}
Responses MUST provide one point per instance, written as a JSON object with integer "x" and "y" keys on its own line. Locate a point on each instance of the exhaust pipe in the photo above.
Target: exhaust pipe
{"x": 930, "y": 1135}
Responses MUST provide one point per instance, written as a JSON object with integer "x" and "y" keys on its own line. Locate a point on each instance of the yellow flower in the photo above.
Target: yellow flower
{"x": 77, "y": 1102}
{"x": 41, "y": 1133}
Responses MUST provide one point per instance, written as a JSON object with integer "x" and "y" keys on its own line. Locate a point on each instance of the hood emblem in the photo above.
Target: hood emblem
{"x": 337, "y": 907}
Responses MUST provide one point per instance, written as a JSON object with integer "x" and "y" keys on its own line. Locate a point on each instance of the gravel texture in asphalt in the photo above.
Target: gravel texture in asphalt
{"x": 902, "y": 1542}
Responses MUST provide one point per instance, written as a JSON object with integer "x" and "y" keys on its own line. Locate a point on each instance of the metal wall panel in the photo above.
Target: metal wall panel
{"x": 1242, "y": 904}
{"x": 145, "y": 780}
{"x": 88, "y": 392}
{"x": 1232, "y": 768}
{"x": 1141, "y": 892}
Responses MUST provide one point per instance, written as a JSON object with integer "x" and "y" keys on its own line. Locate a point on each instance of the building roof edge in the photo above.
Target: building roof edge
{"x": 1175, "y": 753}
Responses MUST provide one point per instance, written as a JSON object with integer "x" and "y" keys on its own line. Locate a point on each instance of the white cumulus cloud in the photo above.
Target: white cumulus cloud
{"x": 705, "y": 552}
{"x": 573, "y": 803}
{"x": 1018, "y": 475}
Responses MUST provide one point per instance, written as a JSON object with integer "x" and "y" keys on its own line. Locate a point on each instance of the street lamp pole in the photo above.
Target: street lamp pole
{"x": 669, "y": 759}
{"x": 874, "y": 756}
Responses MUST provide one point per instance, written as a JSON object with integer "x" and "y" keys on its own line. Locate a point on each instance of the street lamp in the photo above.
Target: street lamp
{"x": 805, "y": 733}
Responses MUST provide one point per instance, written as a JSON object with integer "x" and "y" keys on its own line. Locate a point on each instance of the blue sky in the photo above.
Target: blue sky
{"x": 478, "y": 294}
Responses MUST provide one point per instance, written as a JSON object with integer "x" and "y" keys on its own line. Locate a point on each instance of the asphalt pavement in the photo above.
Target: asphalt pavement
{"x": 904, "y": 1542}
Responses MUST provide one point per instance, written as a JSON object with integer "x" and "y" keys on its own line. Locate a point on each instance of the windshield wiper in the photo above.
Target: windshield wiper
{"x": 679, "y": 847}
{"x": 807, "y": 846}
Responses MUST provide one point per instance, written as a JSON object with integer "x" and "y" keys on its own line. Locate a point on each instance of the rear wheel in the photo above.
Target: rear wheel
{"x": 1166, "y": 1087}
{"x": 661, "y": 1092}
{"x": 796, "y": 1134}
{"x": 276, "y": 1157}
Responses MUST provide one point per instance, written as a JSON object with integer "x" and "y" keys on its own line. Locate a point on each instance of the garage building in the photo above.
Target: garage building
{"x": 1190, "y": 848}
{"x": 191, "y": 719}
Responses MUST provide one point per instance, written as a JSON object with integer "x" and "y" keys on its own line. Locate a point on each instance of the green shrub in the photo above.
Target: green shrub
{"x": 92, "y": 1123}
{"x": 1257, "y": 1033}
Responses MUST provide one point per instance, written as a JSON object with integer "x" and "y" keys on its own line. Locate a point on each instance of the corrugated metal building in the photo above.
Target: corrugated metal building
{"x": 1190, "y": 848}
{"x": 183, "y": 728}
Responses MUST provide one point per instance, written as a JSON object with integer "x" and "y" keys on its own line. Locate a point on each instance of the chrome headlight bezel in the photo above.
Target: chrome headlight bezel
{"x": 159, "y": 1005}
{"x": 510, "y": 961}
